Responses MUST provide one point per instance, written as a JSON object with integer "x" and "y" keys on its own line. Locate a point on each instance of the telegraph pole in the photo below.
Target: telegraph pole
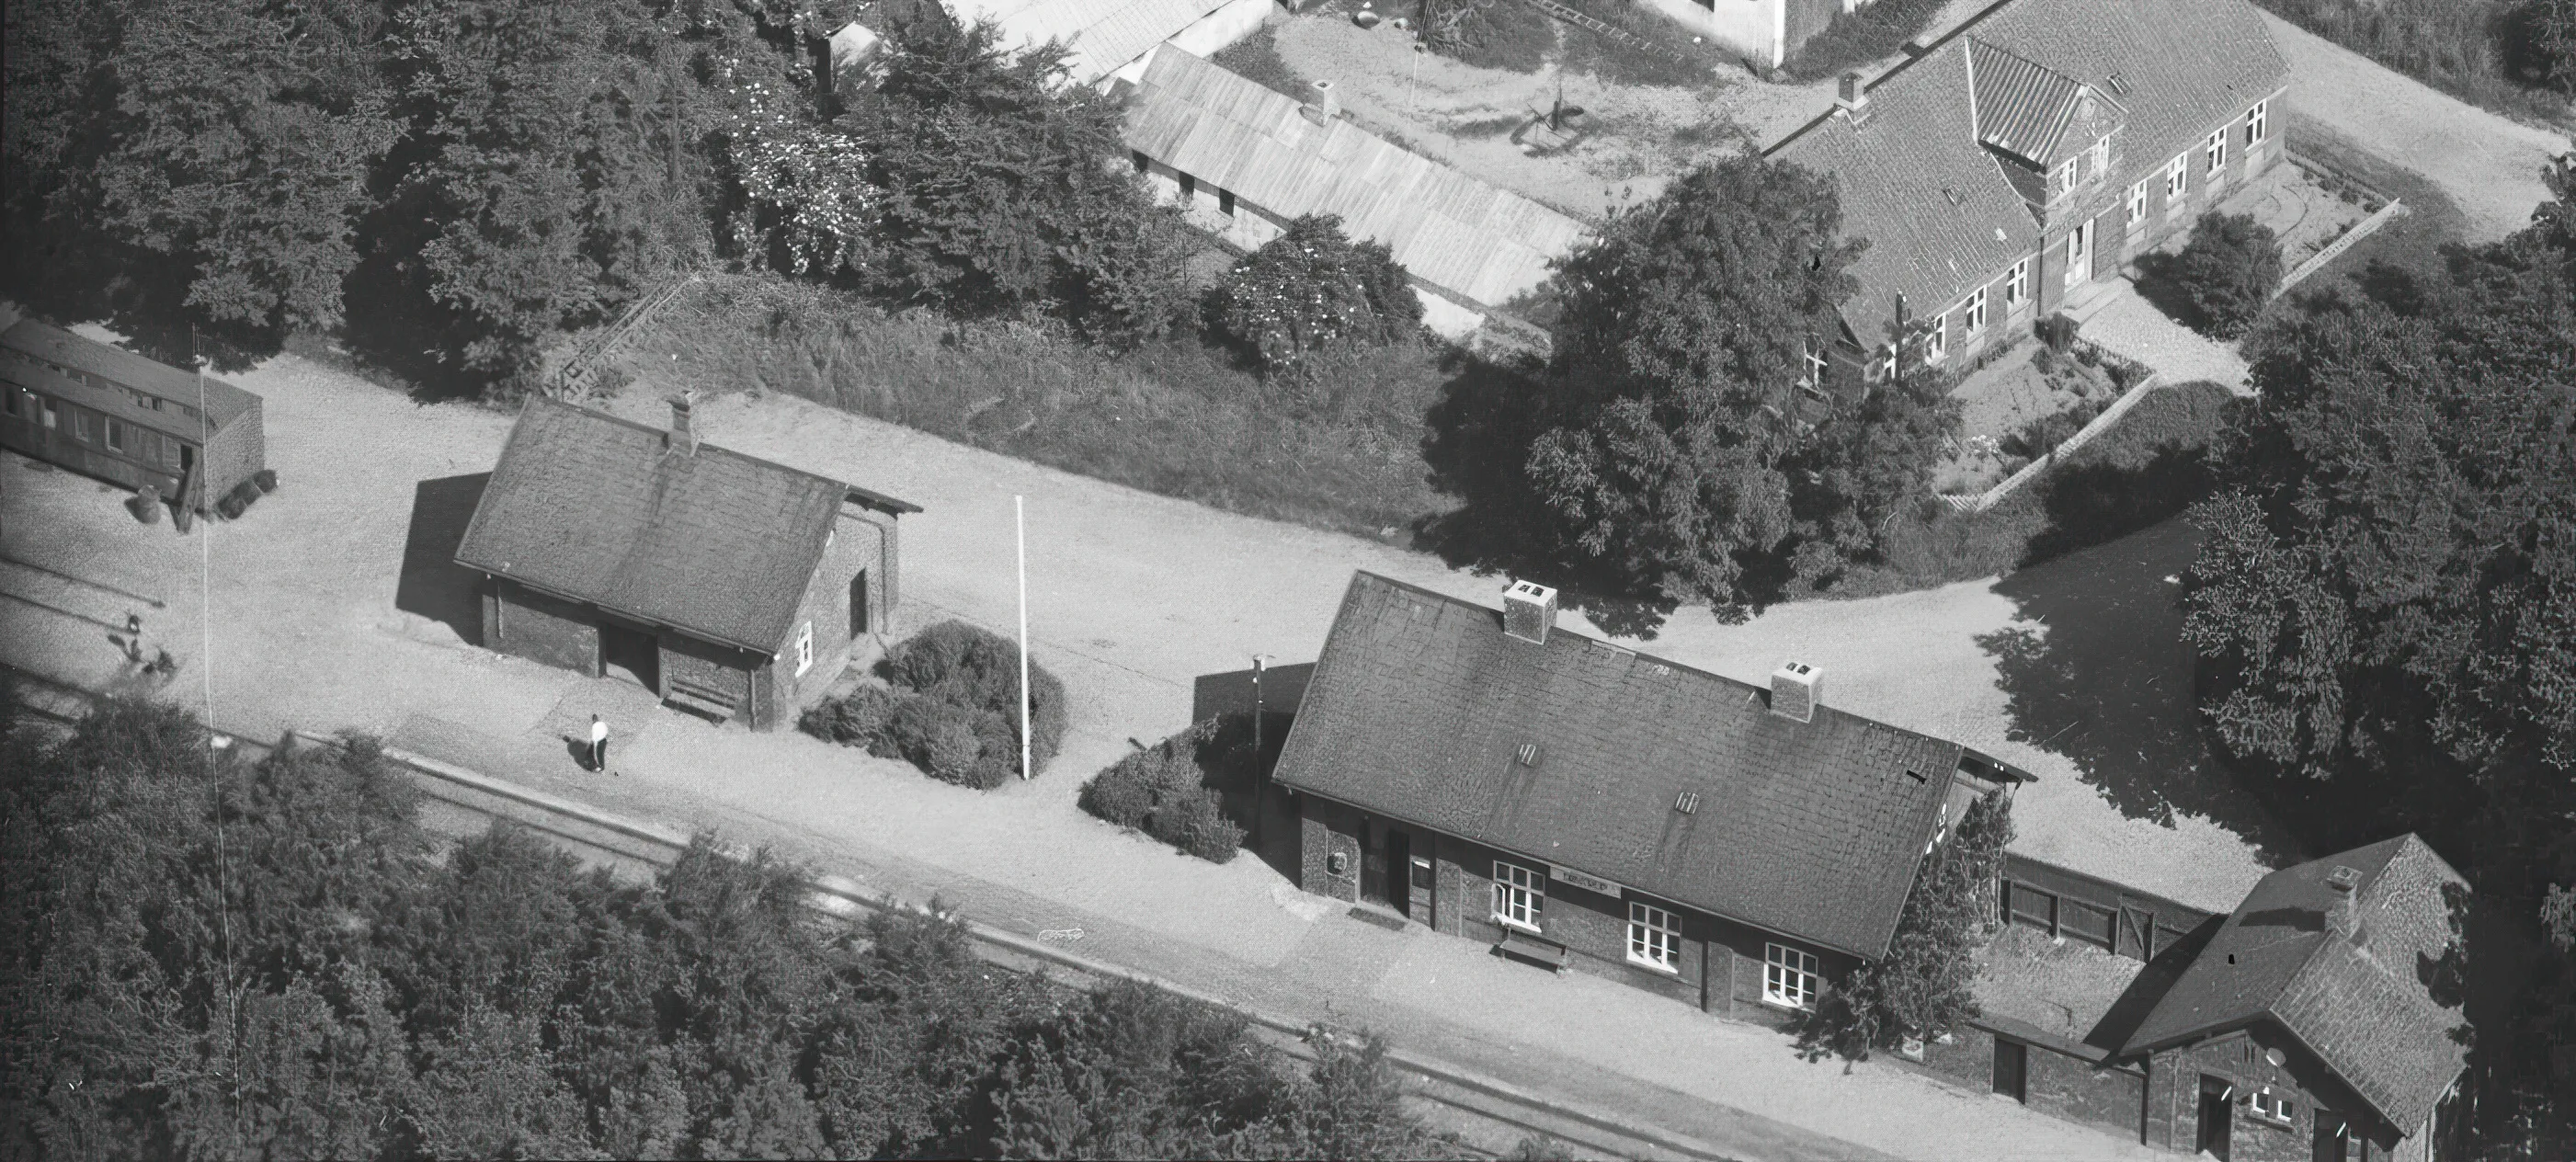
{"x": 1020, "y": 521}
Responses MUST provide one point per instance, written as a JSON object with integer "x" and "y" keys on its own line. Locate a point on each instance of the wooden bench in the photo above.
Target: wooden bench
{"x": 702, "y": 698}
{"x": 1533, "y": 948}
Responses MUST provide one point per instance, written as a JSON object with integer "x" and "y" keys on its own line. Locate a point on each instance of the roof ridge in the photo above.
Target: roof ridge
{"x": 703, "y": 446}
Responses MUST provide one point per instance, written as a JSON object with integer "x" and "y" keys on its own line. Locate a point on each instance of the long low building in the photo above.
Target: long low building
{"x": 123, "y": 417}
{"x": 1243, "y": 160}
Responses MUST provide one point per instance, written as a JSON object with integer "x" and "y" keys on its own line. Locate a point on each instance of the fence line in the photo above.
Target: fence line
{"x": 2360, "y": 230}
{"x": 2031, "y": 471}
{"x": 1579, "y": 19}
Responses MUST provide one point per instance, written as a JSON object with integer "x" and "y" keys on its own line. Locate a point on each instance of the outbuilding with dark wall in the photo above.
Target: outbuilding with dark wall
{"x": 126, "y": 418}
{"x": 1589, "y": 808}
{"x": 727, "y": 585}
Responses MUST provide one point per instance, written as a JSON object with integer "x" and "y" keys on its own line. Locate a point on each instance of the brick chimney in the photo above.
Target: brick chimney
{"x": 682, "y": 437}
{"x": 1796, "y": 690}
{"x": 1850, "y": 99}
{"x": 2342, "y": 919}
{"x": 1326, "y": 106}
{"x": 1529, "y": 611}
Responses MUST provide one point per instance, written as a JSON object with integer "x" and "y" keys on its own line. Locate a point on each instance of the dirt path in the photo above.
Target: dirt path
{"x": 2489, "y": 165}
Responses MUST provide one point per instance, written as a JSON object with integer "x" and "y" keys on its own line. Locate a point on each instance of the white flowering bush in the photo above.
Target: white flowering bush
{"x": 805, "y": 193}
{"x": 1312, "y": 290}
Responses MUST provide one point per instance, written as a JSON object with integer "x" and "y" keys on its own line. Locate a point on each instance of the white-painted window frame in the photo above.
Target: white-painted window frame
{"x": 2017, "y": 285}
{"x": 1936, "y": 342}
{"x": 1973, "y": 312}
{"x": 2214, "y": 150}
{"x": 2178, "y": 177}
{"x": 1792, "y": 977}
{"x": 2258, "y": 123}
{"x": 2138, "y": 202}
{"x": 1520, "y": 896}
{"x": 804, "y": 649}
{"x": 1654, "y": 937}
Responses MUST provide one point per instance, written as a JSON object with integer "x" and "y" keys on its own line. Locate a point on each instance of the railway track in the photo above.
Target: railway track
{"x": 1489, "y": 1116}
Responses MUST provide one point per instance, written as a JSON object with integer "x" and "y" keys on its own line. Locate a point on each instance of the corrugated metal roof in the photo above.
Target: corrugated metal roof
{"x": 2022, "y": 108}
{"x": 224, "y": 402}
{"x": 1102, "y": 35}
{"x": 1447, "y": 229}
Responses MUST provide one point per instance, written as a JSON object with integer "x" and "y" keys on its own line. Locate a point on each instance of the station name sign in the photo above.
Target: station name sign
{"x": 1580, "y": 880}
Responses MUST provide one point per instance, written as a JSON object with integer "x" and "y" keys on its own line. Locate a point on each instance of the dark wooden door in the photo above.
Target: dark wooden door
{"x": 1399, "y": 871}
{"x": 630, "y": 654}
{"x": 1372, "y": 868}
{"x": 859, "y": 603}
{"x": 2217, "y": 1119}
{"x": 2012, "y": 1069}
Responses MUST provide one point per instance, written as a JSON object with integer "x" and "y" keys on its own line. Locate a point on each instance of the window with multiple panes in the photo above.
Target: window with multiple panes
{"x": 1972, "y": 317}
{"x": 2138, "y": 202}
{"x": 1815, "y": 365}
{"x": 1654, "y": 937}
{"x": 1791, "y": 976}
{"x": 805, "y": 649}
{"x": 2256, "y": 123}
{"x": 2176, "y": 184}
{"x": 2274, "y": 1107}
{"x": 1519, "y": 895}
{"x": 2101, "y": 157}
{"x": 2064, "y": 179}
{"x": 115, "y": 435}
{"x": 2215, "y": 149}
{"x": 80, "y": 426}
{"x": 1936, "y": 340}
{"x": 2017, "y": 284}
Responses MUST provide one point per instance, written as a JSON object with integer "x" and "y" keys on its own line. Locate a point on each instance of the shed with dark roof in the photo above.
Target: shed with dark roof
{"x": 724, "y": 583}
{"x": 1434, "y": 743}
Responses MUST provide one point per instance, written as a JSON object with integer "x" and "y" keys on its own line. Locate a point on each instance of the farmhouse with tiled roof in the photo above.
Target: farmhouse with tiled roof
{"x": 2012, "y": 168}
{"x": 1590, "y": 807}
{"x": 725, "y": 584}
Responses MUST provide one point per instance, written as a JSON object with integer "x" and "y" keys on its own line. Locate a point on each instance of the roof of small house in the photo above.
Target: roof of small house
{"x": 1101, "y": 35}
{"x": 1917, "y": 181}
{"x": 1420, "y": 703}
{"x": 223, "y": 402}
{"x": 2362, "y": 1008}
{"x": 603, "y": 510}
{"x": 1446, "y": 229}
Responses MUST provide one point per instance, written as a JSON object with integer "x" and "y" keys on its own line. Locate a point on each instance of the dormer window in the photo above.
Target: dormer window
{"x": 2064, "y": 180}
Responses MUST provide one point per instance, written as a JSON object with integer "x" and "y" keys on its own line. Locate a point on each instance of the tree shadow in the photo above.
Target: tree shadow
{"x": 2095, "y": 502}
{"x": 2156, "y": 284}
{"x": 1476, "y": 440}
{"x": 2121, "y": 1020}
{"x": 2107, "y": 681}
{"x": 433, "y": 585}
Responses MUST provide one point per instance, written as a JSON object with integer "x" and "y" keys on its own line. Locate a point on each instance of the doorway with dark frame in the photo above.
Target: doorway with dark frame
{"x": 1387, "y": 868}
{"x": 2012, "y": 1069}
{"x": 630, "y": 655}
{"x": 2217, "y": 1121}
{"x": 859, "y": 624}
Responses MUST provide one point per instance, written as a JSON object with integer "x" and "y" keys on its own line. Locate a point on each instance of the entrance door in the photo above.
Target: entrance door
{"x": 2012, "y": 1069}
{"x": 1399, "y": 867}
{"x": 1372, "y": 866}
{"x": 630, "y": 655}
{"x": 859, "y": 603}
{"x": 2079, "y": 253}
{"x": 2217, "y": 1117}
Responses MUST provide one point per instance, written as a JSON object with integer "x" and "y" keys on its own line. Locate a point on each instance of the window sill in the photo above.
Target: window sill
{"x": 1784, "y": 1006}
{"x": 1516, "y": 925}
{"x": 1654, "y": 966}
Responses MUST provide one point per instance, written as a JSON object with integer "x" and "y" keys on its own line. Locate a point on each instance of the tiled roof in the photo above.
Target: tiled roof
{"x": 223, "y": 401}
{"x": 2363, "y": 1010}
{"x": 1812, "y": 830}
{"x": 715, "y": 543}
{"x": 1446, "y": 228}
{"x": 1929, "y": 198}
{"x": 1102, "y": 35}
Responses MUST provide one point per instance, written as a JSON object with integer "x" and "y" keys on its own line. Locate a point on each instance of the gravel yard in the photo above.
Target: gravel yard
{"x": 1998, "y": 399}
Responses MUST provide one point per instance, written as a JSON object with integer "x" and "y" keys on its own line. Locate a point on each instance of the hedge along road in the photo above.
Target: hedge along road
{"x": 336, "y": 609}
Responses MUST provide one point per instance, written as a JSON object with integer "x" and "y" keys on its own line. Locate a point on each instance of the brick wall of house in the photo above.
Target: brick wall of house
{"x": 1721, "y": 963}
{"x": 705, "y": 664}
{"x": 859, "y": 542}
{"x": 2173, "y": 1107}
{"x": 2055, "y": 1083}
{"x": 541, "y": 628}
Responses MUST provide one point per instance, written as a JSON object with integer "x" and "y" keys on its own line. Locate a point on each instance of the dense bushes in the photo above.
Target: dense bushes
{"x": 1169, "y": 790}
{"x": 239, "y": 958}
{"x": 2508, "y": 55}
{"x": 1312, "y": 290}
{"x": 1490, "y": 34}
{"x": 1859, "y": 36}
{"x": 955, "y": 709}
{"x": 2222, "y": 277}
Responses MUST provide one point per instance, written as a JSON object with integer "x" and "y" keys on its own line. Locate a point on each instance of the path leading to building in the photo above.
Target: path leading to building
{"x": 2127, "y": 324}
{"x": 2489, "y": 165}
{"x": 335, "y": 607}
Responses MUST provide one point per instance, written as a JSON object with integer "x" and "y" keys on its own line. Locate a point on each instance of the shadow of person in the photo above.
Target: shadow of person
{"x": 433, "y": 585}
{"x": 2106, "y": 680}
{"x": 579, "y": 749}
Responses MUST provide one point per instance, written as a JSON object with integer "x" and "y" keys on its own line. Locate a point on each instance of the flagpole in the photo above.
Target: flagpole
{"x": 1020, "y": 522}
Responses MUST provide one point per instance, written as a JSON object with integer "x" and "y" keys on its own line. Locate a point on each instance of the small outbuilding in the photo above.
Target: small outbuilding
{"x": 110, "y": 413}
{"x": 728, "y": 585}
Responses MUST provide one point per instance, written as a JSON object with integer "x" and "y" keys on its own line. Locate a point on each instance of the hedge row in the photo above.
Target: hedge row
{"x": 954, "y": 710}
{"x": 1163, "y": 791}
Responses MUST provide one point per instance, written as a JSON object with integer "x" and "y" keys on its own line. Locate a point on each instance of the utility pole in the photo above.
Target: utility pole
{"x": 1260, "y": 768}
{"x": 1020, "y": 521}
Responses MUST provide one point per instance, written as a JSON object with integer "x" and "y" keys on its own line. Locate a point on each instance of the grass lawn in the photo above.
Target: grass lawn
{"x": 2485, "y": 52}
{"x": 2413, "y": 241}
{"x": 1181, "y": 418}
{"x": 2146, "y": 468}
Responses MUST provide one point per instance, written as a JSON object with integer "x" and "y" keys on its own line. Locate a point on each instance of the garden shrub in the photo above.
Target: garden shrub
{"x": 858, "y": 718}
{"x": 2226, "y": 273}
{"x": 145, "y": 505}
{"x": 1163, "y": 791}
{"x": 1492, "y": 34}
{"x": 2041, "y": 436}
{"x": 266, "y": 479}
{"x": 954, "y": 711}
{"x": 1312, "y": 289}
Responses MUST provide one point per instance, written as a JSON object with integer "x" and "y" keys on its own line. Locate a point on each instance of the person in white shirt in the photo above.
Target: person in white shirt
{"x": 598, "y": 744}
